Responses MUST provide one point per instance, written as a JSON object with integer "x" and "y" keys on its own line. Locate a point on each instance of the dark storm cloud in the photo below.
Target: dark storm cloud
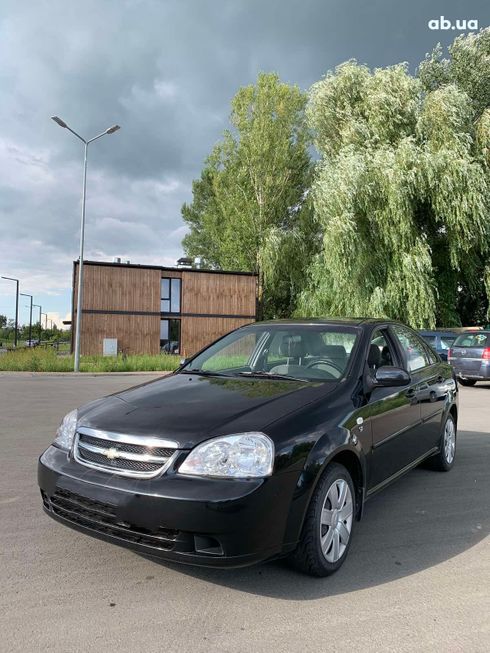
{"x": 165, "y": 71}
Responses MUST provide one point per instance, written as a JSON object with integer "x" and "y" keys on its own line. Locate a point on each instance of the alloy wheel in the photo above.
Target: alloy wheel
{"x": 449, "y": 441}
{"x": 336, "y": 520}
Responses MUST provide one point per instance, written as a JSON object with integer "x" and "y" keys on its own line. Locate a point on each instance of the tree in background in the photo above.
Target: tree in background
{"x": 401, "y": 193}
{"x": 250, "y": 208}
{"x": 468, "y": 68}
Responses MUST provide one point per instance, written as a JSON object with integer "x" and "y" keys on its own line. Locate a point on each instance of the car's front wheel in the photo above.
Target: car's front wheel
{"x": 327, "y": 530}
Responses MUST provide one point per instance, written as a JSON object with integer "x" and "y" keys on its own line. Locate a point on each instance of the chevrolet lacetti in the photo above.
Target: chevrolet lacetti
{"x": 265, "y": 444}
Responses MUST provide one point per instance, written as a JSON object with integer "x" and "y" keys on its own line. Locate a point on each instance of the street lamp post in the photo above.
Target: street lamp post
{"x": 30, "y": 318}
{"x": 16, "y": 333}
{"x": 86, "y": 143}
{"x": 45, "y": 321}
{"x": 40, "y": 325}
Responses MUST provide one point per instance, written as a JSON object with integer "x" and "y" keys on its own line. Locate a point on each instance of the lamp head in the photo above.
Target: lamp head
{"x": 59, "y": 122}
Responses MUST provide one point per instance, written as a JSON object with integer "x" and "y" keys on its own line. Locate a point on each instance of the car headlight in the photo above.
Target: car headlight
{"x": 66, "y": 431}
{"x": 243, "y": 455}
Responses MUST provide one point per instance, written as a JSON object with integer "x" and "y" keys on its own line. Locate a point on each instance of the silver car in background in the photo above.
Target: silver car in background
{"x": 470, "y": 357}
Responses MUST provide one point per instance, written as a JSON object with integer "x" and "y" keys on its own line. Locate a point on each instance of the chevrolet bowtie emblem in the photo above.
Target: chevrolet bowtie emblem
{"x": 111, "y": 453}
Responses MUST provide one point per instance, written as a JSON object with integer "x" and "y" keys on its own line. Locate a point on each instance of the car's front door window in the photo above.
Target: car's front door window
{"x": 380, "y": 351}
{"x": 415, "y": 352}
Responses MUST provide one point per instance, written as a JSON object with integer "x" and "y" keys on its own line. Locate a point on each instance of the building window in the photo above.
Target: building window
{"x": 170, "y": 336}
{"x": 170, "y": 296}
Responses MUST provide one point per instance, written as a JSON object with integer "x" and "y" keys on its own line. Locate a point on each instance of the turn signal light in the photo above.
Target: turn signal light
{"x": 486, "y": 354}
{"x": 449, "y": 353}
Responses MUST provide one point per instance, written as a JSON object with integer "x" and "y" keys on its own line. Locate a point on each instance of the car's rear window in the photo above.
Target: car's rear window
{"x": 472, "y": 340}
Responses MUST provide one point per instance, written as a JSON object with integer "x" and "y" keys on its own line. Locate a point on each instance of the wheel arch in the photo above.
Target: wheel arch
{"x": 454, "y": 412}
{"x": 349, "y": 459}
{"x": 315, "y": 468}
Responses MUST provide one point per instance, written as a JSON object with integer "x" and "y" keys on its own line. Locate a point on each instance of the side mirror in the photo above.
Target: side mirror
{"x": 389, "y": 376}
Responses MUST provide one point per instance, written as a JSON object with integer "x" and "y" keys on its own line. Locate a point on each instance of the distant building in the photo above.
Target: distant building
{"x": 149, "y": 309}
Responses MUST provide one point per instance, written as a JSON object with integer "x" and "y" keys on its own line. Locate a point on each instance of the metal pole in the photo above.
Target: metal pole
{"x": 80, "y": 267}
{"x": 16, "y": 336}
{"x": 16, "y": 332}
{"x": 40, "y": 318}
{"x": 30, "y": 325}
{"x": 30, "y": 317}
{"x": 78, "y": 321}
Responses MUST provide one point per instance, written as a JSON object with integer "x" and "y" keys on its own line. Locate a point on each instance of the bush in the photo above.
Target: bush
{"x": 42, "y": 360}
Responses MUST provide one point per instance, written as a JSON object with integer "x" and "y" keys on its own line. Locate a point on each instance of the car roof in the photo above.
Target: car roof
{"x": 347, "y": 321}
{"x": 438, "y": 332}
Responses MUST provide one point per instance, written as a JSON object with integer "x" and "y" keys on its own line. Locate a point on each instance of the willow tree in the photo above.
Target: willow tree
{"x": 250, "y": 208}
{"x": 401, "y": 192}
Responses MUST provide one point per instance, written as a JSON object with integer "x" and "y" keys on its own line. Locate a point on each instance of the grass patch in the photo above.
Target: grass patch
{"x": 39, "y": 360}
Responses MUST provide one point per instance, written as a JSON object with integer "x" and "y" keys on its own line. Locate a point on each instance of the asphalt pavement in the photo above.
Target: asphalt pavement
{"x": 417, "y": 577}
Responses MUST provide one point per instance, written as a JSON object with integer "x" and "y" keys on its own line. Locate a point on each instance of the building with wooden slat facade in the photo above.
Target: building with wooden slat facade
{"x": 150, "y": 309}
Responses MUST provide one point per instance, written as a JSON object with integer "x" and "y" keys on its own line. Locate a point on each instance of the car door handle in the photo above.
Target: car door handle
{"x": 410, "y": 393}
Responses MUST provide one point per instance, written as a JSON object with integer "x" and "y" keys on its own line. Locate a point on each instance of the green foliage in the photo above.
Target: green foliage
{"x": 46, "y": 360}
{"x": 250, "y": 208}
{"x": 401, "y": 192}
{"x": 468, "y": 66}
{"x": 394, "y": 219}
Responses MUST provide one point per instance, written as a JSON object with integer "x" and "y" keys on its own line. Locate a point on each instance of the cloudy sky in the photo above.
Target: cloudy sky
{"x": 165, "y": 70}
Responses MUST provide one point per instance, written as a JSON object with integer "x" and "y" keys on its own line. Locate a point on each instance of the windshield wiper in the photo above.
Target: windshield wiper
{"x": 200, "y": 372}
{"x": 261, "y": 374}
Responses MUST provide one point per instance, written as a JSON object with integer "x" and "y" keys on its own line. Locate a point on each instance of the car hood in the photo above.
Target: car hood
{"x": 189, "y": 409}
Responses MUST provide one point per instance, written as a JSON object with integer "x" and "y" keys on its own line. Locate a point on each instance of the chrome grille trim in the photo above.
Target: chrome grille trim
{"x": 144, "y": 458}
{"x": 143, "y": 440}
{"x": 108, "y": 447}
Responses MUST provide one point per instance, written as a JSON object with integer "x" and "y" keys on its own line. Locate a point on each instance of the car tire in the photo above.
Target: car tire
{"x": 443, "y": 461}
{"x": 327, "y": 529}
{"x": 467, "y": 381}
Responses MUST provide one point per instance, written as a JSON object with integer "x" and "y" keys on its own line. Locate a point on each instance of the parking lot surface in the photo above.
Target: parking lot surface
{"x": 417, "y": 577}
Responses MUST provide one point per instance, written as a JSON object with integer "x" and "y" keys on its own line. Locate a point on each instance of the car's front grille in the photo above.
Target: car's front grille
{"x": 122, "y": 454}
{"x": 101, "y": 459}
{"x": 102, "y": 518}
{"x": 127, "y": 447}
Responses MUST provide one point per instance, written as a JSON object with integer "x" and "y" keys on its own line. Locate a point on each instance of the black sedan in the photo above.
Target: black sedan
{"x": 265, "y": 444}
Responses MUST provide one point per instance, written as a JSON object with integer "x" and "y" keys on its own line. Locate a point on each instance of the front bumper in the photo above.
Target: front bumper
{"x": 209, "y": 522}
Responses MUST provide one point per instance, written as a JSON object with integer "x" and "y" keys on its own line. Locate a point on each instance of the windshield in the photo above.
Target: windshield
{"x": 305, "y": 352}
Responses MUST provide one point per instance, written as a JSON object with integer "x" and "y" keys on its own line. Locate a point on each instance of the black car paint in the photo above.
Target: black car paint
{"x": 378, "y": 432}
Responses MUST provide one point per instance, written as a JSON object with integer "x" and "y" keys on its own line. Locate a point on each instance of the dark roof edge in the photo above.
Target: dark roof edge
{"x": 165, "y": 269}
